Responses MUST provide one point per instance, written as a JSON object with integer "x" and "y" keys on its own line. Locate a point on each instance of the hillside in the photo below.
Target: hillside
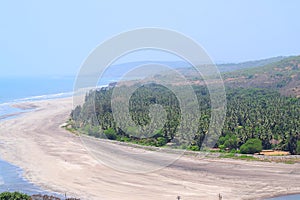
{"x": 118, "y": 70}
{"x": 256, "y": 109}
{"x": 282, "y": 76}
{"x": 249, "y": 64}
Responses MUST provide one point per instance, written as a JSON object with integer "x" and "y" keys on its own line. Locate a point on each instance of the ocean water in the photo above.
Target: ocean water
{"x": 14, "y": 88}
{"x": 26, "y": 89}
{"x": 11, "y": 180}
{"x": 20, "y": 89}
{"x": 288, "y": 197}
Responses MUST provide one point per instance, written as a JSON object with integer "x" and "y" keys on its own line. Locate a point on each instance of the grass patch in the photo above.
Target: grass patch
{"x": 252, "y": 158}
{"x": 289, "y": 162}
{"x": 247, "y": 157}
{"x": 239, "y": 157}
{"x": 228, "y": 155}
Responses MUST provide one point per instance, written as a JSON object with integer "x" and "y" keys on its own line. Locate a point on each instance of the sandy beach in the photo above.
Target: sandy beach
{"x": 57, "y": 160}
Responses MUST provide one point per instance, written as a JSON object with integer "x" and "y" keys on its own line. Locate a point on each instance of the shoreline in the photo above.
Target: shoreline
{"x": 54, "y": 159}
{"x": 14, "y": 180}
{"x": 280, "y": 196}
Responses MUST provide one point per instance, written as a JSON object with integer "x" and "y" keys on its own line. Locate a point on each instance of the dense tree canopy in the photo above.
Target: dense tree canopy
{"x": 14, "y": 196}
{"x": 263, "y": 114}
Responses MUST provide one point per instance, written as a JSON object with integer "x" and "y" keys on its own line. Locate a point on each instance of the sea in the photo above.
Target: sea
{"x": 26, "y": 89}
{"x": 288, "y": 197}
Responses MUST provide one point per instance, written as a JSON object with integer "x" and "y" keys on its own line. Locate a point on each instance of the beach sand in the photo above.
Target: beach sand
{"x": 57, "y": 160}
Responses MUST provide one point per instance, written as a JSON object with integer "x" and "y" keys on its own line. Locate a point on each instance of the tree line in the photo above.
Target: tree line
{"x": 252, "y": 113}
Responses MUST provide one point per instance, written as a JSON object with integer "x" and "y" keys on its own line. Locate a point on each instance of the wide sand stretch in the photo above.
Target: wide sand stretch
{"x": 57, "y": 160}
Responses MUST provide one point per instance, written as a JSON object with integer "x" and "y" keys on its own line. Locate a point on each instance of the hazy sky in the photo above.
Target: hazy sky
{"x": 54, "y": 37}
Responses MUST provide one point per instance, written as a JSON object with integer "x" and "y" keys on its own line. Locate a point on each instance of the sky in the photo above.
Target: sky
{"x": 53, "y": 38}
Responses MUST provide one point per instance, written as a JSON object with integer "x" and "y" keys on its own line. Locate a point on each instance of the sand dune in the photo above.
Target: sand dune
{"x": 59, "y": 161}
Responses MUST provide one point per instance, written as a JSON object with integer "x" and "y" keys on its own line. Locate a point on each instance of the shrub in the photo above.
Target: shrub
{"x": 110, "y": 134}
{"x": 222, "y": 147}
{"x": 298, "y": 148}
{"x": 161, "y": 141}
{"x": 251, "y": 146}
{"x": 194, "y": 148}
{"x": 14, "y": 196}
{"x": 231, "y": 142}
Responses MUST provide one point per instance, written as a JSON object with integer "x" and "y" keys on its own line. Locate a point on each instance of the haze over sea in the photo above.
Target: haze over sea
{"x": 20, "y": 88}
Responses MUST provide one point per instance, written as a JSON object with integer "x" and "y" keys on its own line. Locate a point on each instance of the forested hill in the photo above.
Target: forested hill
{"x": 257, "y": 114}
{"x": 283, "y": 76}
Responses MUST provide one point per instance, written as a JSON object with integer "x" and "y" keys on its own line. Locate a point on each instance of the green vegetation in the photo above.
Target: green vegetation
{"x": 228, "y": 155}
{"x": 262, "y": 111}
{"x": 298, "y": 147}
{"x": 252, "y": 146}
{"x": 14, "y": 196}
{"x": 228, "y": 141}
{"x": 22, "y": 196}
{"x": 263, "y": 114}
{"x": 246, "y": 157}
{"x": 110, "y": 133}
{"x": 239, "y": 157}
{"x": 282, "y": 76}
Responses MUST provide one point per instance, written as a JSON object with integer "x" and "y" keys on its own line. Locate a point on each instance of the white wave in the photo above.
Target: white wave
{"x": 7, "y": 110}
{"x": 43, "y": 97}
{"x": 5, "y": 104}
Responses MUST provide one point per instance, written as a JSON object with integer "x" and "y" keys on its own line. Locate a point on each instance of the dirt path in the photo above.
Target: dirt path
{"x": 57, "y": 160}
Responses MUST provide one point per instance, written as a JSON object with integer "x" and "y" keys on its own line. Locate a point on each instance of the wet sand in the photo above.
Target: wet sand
{"x": 57, "y": 160}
